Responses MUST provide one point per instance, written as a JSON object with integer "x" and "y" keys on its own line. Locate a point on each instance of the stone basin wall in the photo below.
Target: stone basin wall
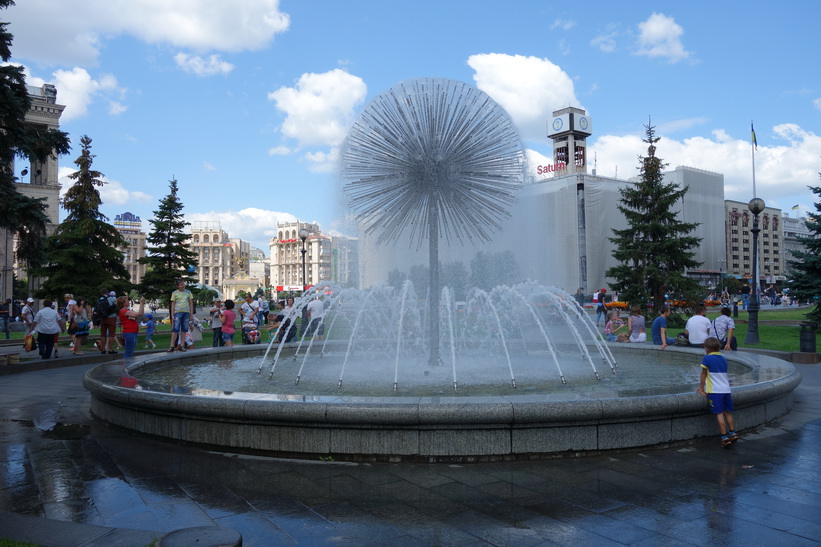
{"x": 430, "y": 428}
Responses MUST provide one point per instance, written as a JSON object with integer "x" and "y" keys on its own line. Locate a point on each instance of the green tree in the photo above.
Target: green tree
{"x": 396, "y": 278}
{"x": 24, "y": 216}
{"x": 806, "y": 283}
{"x": 84, "y": 252}
{"x": 169, "y": 257}
{"x": 488, "y": 270}
{"x": 655, "y": 251}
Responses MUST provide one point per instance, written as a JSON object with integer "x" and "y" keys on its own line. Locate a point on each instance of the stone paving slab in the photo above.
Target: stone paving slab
{"x": 83, "y": 483}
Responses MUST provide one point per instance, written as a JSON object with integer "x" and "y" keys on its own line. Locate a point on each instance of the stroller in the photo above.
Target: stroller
{"x": 250, "y": 335}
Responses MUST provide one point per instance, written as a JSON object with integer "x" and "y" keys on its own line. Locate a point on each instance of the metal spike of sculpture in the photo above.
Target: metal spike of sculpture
{"x": 433, "y": 158}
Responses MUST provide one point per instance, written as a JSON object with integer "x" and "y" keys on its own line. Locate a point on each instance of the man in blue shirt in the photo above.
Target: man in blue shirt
{"x": 659, "y": 329}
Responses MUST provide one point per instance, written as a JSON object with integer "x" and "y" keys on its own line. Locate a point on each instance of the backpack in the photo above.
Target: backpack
{"x": 102, "y": 309}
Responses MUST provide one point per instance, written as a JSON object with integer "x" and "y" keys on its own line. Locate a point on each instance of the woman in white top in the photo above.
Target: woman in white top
{"x": 47, "y": 322}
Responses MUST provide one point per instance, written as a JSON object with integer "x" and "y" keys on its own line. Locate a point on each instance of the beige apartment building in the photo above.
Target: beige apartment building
{"x": 131, "y": 228}
{"x": 219, "y": 257}
{"x": 739, "y": 242}
{"x": 35, "y": 179}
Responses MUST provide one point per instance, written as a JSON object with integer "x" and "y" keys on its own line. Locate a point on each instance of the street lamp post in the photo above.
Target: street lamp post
{"x": 721, "y": 262}
{"x": 303, "y": 235}
{"x": 756, "y": 206}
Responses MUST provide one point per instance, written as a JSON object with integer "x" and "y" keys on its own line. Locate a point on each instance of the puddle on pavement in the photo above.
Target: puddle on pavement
{"x": 67, "y": 432}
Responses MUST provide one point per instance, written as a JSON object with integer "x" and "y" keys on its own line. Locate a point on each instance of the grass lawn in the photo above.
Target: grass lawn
{"x": 775, "y": 337}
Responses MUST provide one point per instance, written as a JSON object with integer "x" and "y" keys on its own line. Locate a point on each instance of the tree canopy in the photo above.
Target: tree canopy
{"x": 655, "y": 251}
{"x": 23, "y": 215}
{"x": 806, "y": 283}
{"x": 83, "y": 254}
{"x": 168, "y": 255}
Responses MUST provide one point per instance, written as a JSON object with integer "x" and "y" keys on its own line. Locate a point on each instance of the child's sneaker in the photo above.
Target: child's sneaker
{"x": 726, "y": 442}
{"x": 733, "y": 436}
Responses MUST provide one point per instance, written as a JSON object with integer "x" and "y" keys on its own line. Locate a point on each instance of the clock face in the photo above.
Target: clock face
{"x": 557, "y": 124}
{"x": 583, "y": 123}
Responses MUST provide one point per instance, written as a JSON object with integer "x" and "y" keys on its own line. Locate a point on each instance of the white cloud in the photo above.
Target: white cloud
{"x": 77, "y": 29}
{"x": 279, "y": 151}
{"x": 660, "y": 36}
{"x": 322, "y": 162}
{"x": 111, "y": 193}
{"x": 200, "y": 66}
{"x": 606, "y": 41}
{"x": 782, "y": 171}
{"x": 529, "y": 88}
{"x": 563, "y": 24}
{"x": 251, "y": 224}
{"x": 76, "y": 89}
{"x": 817, "y": 103}
{"x": 208, "y": 166}
{"x": 320, "y": 107}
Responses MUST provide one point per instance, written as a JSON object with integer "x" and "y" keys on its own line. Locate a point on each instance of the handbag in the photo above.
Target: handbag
{"x": 72, "y": 327}
{"x": 682, "y": 340}
{"x": 29, "y": 343}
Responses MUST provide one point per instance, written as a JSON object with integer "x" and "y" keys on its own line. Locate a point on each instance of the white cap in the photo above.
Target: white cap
{"x": 30, "y": 299}
{"x": 112, "y": 293}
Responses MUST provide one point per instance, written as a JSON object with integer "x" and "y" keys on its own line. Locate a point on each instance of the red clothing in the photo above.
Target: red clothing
{"x": 228, "y": 324}
{"x": 129, "y": 323}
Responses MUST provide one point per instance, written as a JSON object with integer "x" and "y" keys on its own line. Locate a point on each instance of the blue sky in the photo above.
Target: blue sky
{"x": 247, "y": 102}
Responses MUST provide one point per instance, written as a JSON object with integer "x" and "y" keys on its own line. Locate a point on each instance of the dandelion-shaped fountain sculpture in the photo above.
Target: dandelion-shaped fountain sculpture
{"x": 433, "y": 158}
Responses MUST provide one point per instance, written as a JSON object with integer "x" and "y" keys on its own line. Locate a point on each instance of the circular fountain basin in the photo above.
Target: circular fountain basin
{"x": 481, "y": 420}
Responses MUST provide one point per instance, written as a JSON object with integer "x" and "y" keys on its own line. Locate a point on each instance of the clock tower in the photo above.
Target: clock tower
{"x": 569, "y": 129}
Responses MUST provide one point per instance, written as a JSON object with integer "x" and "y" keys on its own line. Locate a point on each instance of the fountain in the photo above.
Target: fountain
{"x": 518, "y": 371}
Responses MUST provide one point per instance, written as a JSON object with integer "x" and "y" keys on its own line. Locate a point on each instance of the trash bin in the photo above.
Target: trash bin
{"x": 806, "y": 342}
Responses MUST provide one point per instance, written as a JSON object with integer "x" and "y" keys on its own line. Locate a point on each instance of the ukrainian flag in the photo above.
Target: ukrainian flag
{"x": 795, "y": 207}
{"x": 752, "y": 129}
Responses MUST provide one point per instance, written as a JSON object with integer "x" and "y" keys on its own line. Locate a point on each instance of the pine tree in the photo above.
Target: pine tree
{"x": 807, "y": 264}
{"x": 655, "y": 251}
{"x": 23, "y": 215}
{"x": 169, "y": 257}
{"x": 84, "y": 252}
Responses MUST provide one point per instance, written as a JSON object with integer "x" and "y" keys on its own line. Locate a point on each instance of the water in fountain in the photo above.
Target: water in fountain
{"x": 524, "y": 335}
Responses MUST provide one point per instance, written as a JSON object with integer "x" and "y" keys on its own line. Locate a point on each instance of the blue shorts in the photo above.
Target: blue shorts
{"x": 720, "y": 402}
{"x": 228, "y": 337}
{"x": 180, "y": 321}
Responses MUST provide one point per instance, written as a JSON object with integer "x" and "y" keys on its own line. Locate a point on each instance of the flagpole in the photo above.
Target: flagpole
{"x": 753, "y": 144}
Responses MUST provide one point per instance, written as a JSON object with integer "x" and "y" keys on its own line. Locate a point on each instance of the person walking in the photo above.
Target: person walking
{"x": 579, "y": 296}
{"x": 316, "y": 312}
{"x": 601, "y": 307}
{"x": 27, "y": 314}
{"x": 216, "y": 323}
{"x": 47, "y": 323}
{"x": 182, "y": 308}
{"x": 150, "y": 329}
{"x": 5, "y": 316}
{"x": 130, "y": 326}
{"x": 227, "y": 317}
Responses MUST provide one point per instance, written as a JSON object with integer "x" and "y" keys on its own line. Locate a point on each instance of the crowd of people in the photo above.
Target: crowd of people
{"x": 120, "y": 321}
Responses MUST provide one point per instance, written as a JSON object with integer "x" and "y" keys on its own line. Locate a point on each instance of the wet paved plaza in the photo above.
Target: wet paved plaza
{"x": 127, "y": 490}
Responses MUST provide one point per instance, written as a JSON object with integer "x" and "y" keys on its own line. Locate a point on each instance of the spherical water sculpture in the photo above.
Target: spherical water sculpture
{"x": 432, "y": 157}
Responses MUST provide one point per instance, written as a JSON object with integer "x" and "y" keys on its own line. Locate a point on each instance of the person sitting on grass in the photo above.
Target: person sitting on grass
{"x": 613, "y": 326}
